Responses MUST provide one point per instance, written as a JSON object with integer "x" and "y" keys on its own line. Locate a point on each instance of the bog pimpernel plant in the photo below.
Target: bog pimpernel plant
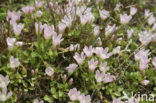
{"x": 78, "y": 51}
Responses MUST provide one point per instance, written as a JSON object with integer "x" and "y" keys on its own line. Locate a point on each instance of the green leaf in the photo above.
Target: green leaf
{"x": 48, "y": 99}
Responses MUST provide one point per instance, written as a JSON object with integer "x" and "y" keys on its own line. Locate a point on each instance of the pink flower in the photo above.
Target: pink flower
{"x": 142, "y": 54}
{"x": 99, "y": 42}
{"x": 154, "y": 61}
{"x": 147, "y": 13}
{"x": 96, "y": 30}
{"x": 19, "y": 43}
{"x": 13, "y": 16}
{"x": 71, "y": 68}
{"x": 4, "y": 81}
{"x": 102, "y": 53}
{"x": 144, "y": 64}
{"x": 61, "y": 27}
{"x": 37, "y": 101}
{"x": 67, "y": 20}
{"x": 142, "y": 57}
{"x": 38, "y": 3}
{"x": 145, "y": 37}
{"x": 151, "y": 20}
{"x": 64, "y": 77}
{"x": 116, "y": 50}
{"x": 37, "y": 26}
{"x": 88, "y": 51}
{"x": 79, "y": 58}
{"x": 49, "y": 71}
{"x": 108, "y": 78}
{"x": 104, "y": 14}
{"x": 117, "y": 8}
{"x": 99, "y": 76}
{"x": 133, "y": 11}
{"x": 73, "y": 94}
{"x": 11, "y": 42}
{"x": 84, "y": 99}
{"x": 4, "y": 95}
{"x": 145, "y": 82}
{"x": 124, "y": 19}
{"x": 92, "y": 64}
{"x": 74, "y": 47}
{"x": 130, "y": 33}
{"x": 17, "y": 28}
{"x": 103, "y": 67}
{"x": 71, "y": 81}
{"x": 28, "y": 9}
{"x": 49, "y": 31}
{"x": 14, "y": 62}
{"x": 110, "y": 29}
{"x": 57, "y": 39}
{"x": 117, "y": 100}
{"x": 154, "y": 27}
{"x": 39, "y": 13}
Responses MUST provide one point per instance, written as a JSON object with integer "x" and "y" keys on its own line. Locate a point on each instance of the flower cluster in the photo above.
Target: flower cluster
{"x": 54, "y": 46}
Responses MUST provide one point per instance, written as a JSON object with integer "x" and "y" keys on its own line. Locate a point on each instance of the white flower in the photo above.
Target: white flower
{"x": 14, "y": 62}
{"x": 79, "y": 58}
{"x": 133, "y": 11}
{"x": 124, "y": 19}
{"x": 71, "y": 68}
{"x": 49, "y": 71}
{"x": 11, "y": 42}
{"x": 104, "y": 14}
